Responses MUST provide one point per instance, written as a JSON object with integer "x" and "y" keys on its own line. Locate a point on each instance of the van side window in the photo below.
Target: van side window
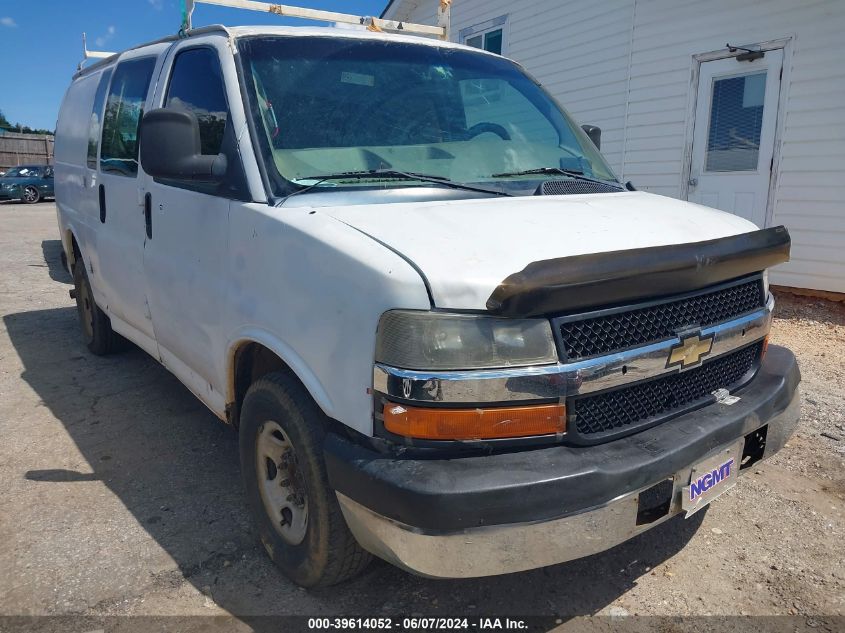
{"x": 196, "y": 85}
{"x": 124, "y": 109}
{"x": 97, "y": 119}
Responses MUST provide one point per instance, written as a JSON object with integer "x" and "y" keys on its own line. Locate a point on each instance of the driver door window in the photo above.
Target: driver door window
{"x": 196, "y": 85}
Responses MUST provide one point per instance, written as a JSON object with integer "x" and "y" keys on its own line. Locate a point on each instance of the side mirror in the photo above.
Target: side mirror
{"x": 594, "y": 133}
{"x": 170, "y": 148}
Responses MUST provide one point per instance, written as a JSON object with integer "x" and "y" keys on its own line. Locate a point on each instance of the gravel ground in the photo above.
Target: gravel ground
{"x": 121, "y": 493}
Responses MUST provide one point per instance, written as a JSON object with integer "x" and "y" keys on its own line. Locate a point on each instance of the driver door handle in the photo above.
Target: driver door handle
{"x": 148, "y": 215}
{"x": 102, "y": 196}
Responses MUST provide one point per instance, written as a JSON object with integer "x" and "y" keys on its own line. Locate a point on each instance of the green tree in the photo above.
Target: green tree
{"x": 25, "y": 129}
{"x": 19, "y": 127}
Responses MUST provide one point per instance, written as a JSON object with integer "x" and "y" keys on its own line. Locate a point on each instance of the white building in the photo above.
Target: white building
{"x": 762, "y": 136}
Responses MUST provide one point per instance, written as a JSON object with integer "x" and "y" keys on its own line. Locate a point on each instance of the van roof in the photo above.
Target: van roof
{"x": 334, "y": 31}
{"x": 234, "y": 32}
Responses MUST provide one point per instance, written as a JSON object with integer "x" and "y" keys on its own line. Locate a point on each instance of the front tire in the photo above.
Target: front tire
{"x": 96, "y": 326}
{"x": 31, "y": 195}
{"x": 299, "y": 519}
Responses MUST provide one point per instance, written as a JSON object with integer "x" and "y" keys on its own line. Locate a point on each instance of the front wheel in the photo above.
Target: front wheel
{"x": 299, "y": 519}
{"x": 31, "y": 195}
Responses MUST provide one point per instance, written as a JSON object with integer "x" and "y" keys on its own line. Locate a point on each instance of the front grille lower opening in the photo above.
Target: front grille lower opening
{"x": 654, "y": 503}
{"x": 754, "y": 448}
{"x": 641, "y": 404}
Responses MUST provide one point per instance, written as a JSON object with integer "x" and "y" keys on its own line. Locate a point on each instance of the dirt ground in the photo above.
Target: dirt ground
{"x": 121, "y": 494}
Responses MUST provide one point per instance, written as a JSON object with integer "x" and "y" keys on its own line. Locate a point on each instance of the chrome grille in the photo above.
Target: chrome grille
{"x": 641, "y": 404}
{"x": 585, "y": 337}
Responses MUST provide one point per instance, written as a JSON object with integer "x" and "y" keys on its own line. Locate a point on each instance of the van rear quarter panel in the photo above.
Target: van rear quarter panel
{"x": 312, "y": 289}
{"x": 71, "y": 162}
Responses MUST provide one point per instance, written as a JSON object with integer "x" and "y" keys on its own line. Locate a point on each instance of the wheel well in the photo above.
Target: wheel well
{"x": 252, "y": 361}
{"x": 75, "y": 253}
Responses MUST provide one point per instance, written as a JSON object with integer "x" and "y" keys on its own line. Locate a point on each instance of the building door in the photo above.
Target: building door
{"x": 734, "y": 137}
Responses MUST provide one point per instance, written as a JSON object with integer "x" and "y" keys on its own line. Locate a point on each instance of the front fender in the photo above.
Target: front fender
{"x": 312, "y": 289}
{"x": 252, "y": 334}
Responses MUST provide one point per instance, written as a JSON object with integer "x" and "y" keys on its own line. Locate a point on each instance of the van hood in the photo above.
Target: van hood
{"x": 466, "y": 248}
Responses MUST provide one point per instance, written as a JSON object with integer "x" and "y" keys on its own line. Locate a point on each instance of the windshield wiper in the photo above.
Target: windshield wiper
{"x": 395, "y": 174}
{"x": 559, "y": 171}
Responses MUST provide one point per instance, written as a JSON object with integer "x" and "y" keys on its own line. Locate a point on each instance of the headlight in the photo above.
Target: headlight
{"x": 766, "y": 284}
{"x": 443, "y": 341}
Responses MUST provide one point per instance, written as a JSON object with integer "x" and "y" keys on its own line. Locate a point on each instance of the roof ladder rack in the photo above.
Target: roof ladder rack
{"x": 86, "y": 54}
{"x": 441, "y": 30}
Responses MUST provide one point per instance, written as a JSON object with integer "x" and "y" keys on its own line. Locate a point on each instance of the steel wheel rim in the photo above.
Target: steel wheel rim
{"x": 280, "y": 483}
{"x": 30, "y": 194}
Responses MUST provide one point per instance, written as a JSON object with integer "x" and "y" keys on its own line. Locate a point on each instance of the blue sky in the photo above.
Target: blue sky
{"x": 41, "y": 41}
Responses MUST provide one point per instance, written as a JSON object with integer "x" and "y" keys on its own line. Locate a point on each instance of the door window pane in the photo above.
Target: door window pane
{"x": 196, "y": 85}
{"x": 97, "y": 118}
{"x": 124, "y": 109}
{"x": 736, "y": 119}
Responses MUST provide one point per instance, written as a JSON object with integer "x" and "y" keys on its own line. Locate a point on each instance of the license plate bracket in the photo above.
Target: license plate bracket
{"x": 711, "y": 477}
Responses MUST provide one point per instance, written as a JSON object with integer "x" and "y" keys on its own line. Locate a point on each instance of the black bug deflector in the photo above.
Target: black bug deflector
{"x": 588, "y": 281}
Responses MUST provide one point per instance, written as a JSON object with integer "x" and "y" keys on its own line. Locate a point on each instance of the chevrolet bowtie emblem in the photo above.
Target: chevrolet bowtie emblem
{"x": 690, "y": 350}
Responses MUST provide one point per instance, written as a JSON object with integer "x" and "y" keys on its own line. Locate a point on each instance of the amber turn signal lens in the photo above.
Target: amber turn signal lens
{"x": 474, "y": 424}
{"x": 765, "y": 347}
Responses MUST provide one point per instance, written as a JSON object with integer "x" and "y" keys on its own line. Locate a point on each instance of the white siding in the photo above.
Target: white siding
{"x": 626, "y": 66}
{"x": 577, "y": 50}
{"x": 810, "y": 189}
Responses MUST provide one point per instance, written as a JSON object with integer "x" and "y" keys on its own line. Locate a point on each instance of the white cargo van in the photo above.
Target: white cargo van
{"x": 446, "y": 334}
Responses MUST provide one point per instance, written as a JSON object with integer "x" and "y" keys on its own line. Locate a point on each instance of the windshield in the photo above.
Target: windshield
{"x": 23, "y": 172}
{"x": 327, "y": 105}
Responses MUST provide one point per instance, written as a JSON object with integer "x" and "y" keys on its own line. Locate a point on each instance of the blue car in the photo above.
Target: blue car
{"x": 27, "y": 183}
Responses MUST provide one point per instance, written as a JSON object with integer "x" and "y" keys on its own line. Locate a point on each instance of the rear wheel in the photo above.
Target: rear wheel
{"x": 299, "y": 520}
{"x": 31, "y": 194}
{"x": 96, "y": 327}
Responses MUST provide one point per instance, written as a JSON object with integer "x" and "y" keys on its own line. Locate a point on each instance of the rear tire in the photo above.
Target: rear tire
{"x": 96, "y": 326}
{"x": 299, "y": 519}
{"x": 30, "y": 195}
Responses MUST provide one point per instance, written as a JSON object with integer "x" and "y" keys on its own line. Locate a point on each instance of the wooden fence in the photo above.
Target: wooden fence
{"x": 25, "y": 149}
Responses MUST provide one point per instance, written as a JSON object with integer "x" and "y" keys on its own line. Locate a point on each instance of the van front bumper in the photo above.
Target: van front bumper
{"x": 494, "y": 514}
